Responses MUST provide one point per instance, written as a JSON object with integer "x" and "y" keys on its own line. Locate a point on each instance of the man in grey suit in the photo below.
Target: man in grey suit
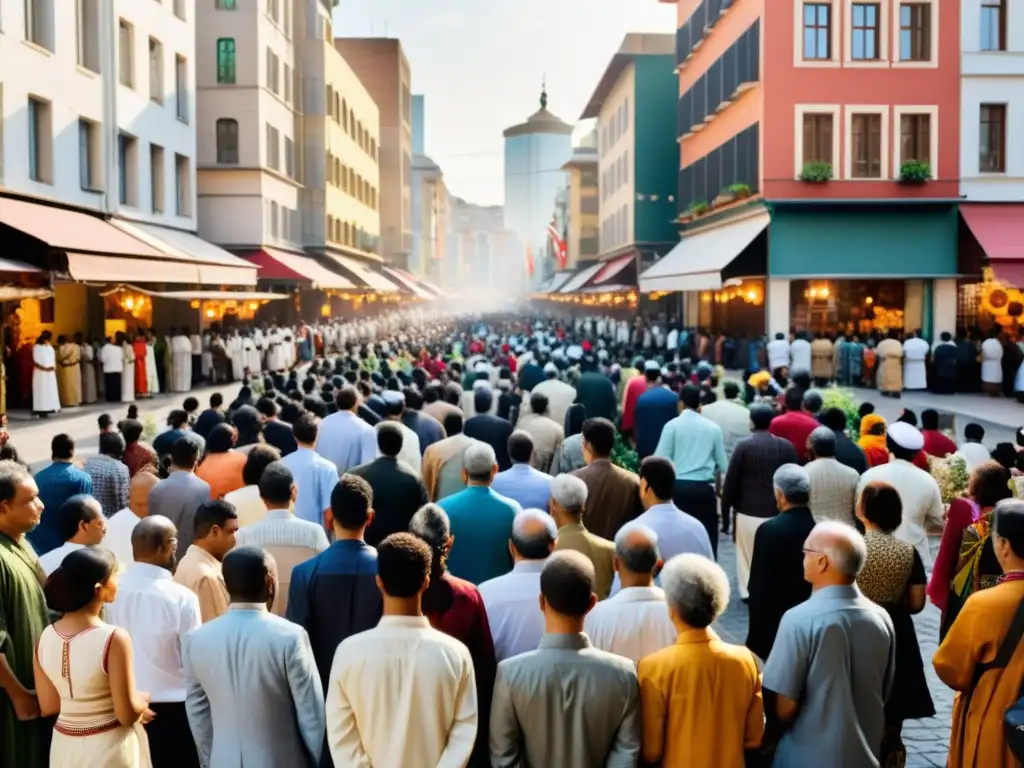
{"x": 566, "y": 703}
{"x": 178, "y": 496}
{"x": 253, "y": 693}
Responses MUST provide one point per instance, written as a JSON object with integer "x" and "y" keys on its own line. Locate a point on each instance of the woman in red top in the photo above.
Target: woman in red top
{"x": 141, "y": 349}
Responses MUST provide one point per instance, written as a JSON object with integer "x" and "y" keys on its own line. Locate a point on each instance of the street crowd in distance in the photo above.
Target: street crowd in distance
{"x": 492, "y": 541}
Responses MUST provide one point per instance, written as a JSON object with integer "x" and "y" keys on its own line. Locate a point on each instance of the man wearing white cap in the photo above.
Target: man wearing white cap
{"x": 559, "y": 394}
{"x": 919, "y": 493}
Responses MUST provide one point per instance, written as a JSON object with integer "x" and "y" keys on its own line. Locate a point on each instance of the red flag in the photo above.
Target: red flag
{"x": 558, "y": 245}
{"x": 529, "y": 261}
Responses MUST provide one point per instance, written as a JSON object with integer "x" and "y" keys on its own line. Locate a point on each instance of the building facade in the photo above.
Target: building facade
{"x": 583, "y": 218}
{"x": 382, "y": 67}
{"x": 535, "y": 152}
{"x": 818, "y": 139}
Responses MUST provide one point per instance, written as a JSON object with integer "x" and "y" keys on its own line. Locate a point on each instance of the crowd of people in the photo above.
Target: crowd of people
{"x": 493, "y": 541}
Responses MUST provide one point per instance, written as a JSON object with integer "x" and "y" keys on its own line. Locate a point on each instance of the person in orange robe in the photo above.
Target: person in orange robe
{"x": 141, "y": 349}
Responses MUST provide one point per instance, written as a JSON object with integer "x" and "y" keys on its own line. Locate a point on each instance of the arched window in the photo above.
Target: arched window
{"x": 227, "y": 140}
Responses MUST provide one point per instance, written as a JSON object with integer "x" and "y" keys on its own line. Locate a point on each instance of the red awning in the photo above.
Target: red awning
{"x": 275, "y": 264}
{"x": 612, "y": 268}
{"x": 999, "y": 230}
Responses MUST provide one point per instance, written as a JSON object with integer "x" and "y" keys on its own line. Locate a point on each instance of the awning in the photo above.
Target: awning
{"x": 276, "y": 264}
{"x": 410, "y": 283}
{"x": 216, "y": 266}
{"x": 10, "y": 265}
{"x": 696, "y": 264}
{"x": 999, "y": 230}
{"x": 613, "y": 267}
{"x": 92, "y": 268}
{"x": 581, "y": 278}
{"x": 219, "y": 295}
{"x": 366, "y": 274}
{"x": 560, "y": 279}
{"x": 438, "y": 293}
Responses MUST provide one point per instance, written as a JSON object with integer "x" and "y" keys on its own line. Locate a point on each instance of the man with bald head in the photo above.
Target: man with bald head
{"x": 517, "y": 624}
{"x": 832, "y": 664}
{"x": 634, "y": 622}
{"x": 157, "y": 612}
{"x": 833, "y": 485}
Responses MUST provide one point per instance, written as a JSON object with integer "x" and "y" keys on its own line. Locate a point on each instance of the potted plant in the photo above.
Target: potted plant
{"x": 740, "y": 190}
{"x": 816, "y": 172}
{"x": 698, "y": 208}
{"x": 913, "y": 172}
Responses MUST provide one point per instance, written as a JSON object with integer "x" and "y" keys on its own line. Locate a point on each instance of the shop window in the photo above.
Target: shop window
{"x": 992, "y": 139}
{"x": 866, "y": 134}
{"x": 915, "y": 31}
{"x": 865, "y": 31}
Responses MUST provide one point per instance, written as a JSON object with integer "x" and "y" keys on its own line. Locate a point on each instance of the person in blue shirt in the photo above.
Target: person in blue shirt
{"x": 530, "y": 487}
{"x": 655, "y": 408}
{"x": 57, "y": 483}
{"x": 481, "y": 520}
{"x": 177, "y": 420}
{"x": 315, "y": 476}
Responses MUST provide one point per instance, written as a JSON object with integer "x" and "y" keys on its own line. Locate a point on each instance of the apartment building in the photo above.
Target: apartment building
{"x": 381, "y": 66}
{"x": 583, "y": 236}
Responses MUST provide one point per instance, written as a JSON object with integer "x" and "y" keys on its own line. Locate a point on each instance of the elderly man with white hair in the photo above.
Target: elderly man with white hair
{"x": 832, "y": 664}
{"x": 568, "y": 500}
{"x": 516, "y": 620}
{"x": 676, "y": 698}
{"x": 481, "y": 520}
{"x": 634, "y": 622}
{"x": 776, "y": 573}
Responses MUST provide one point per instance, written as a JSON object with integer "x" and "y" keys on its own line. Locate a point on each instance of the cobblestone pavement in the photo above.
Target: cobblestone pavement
{"x": 927, "y": 740}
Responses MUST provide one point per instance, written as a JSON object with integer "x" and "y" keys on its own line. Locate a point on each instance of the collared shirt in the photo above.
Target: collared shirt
{"x": 524, "y": 484}
{"x": 481, "y": 522}
{"x": 678, "y": 534}
{"x": 51, "y": 561}
{"x": 177, "y": 497}
{"x": 547, "y": 439}
{"x": 109, "y": 482}
{"x": 748, "y": 485}
{"x": 419, "y": 672}
{"x": 346, "y": 440}
{"x": 835, "y": 654}
{"x": 700, "y": 685}
{"x": 199, "y": 571}
{"x": 833, "y": 490}
{"x": 694, "y": 445}
{"x": 613, "y": 497}
{"x": 410, "y": 452}
{"x": 119, "y": 536}
{"x": 922, "y": 502}
{"x": 513, "y": 611}
{"x": 157, "y": 613}
{"x": 633, "y": 623}
{"x": 248, "y": 505}
{"x": 57, "y": 483}
{"x": 600, "y": 552}
{"x": 315, "y": 478}
{"x": 732, "y": 418}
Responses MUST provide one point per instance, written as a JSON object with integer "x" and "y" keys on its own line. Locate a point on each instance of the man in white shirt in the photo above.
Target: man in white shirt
{"x": 922, "y": 501}
{"x": 157, "y": 613}
{"x": 112, "y": 363}
{"x": 81, "y": 523}
{"x": 971, "y": 449}
{"x": 778, "y": 353}
{"x": 634, "y": 622}
{"x": 731, "y": 416}
{"x": 915, "y": 355}
{"x": 345, "y": 438}
{"x": 800, "y": 354}
{"x": 418, "y": 671}
{"x": 410, "y": 452}
{"x": 559, "y": 394}
{"x": 517, "y": 623}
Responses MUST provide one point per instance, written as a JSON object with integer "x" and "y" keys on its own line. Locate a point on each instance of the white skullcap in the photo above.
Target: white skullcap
{"x": 550, "y": 368}
{"x": 481, "y": 384}
{"x": 652, "y": 365}
{"x": 905, "y": 436}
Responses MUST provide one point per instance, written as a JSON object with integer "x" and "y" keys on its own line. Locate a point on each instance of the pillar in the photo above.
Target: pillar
{"x": 777, "y": 306}
{"x": 692, "y": 305}
{"x": 944, "y": 303}
{"x": 913, "y": 305}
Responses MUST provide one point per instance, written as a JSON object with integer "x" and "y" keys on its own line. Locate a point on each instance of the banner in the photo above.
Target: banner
{"x": 558, "y": 246}
{"x": 529, "y": 261}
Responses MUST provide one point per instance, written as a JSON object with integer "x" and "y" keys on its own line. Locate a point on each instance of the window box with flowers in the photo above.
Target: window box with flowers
{"x": 698, "y": 208}
{"x": 913, "y": 172}
{"x": 816, "y": 172}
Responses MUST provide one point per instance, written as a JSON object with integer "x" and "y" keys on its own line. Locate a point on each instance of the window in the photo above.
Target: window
{"x": 226, "y": 60}
{"x": 287, "y": 18}
{"x": 125, "y": 57}
{"x": 227, "y": 140}
{"x": 272, "y": 71}
{"x": 273, "y": 9}
{"x": 866, "y": 144}
{"x": 866, "y": 32}
{"x": 992, "y": 140}
{"x": 182, "y": 186}
{"x": 915, "y": 31}
{"x": 88, "y": 34}
{"x": 179, "y": 9}
{"x": 993, "y": 25}
{"x": 274, "y": 208}
{"x": 287, "y": 76}
{"x": 817, "y": 31}
{"x": 40, "y": 140}
{"x": 225, "y": 5}
{"x": 156, "y": 178}
{"x": 39, "y": 23}
{"x": 181, "y": 87}
{"x": 127, "y": 169}
{"x": 915, "y": 138}
{"x": 273, "y": 147}
{"x": 625, "y": 115}
{"x": 88, "y": 155}
{"x": 289, "y": 158}
{"x": 818, "y": 131}
{"x": 156, "y": 71}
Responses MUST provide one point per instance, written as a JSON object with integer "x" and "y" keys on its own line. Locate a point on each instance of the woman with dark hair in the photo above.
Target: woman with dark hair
{"x": 222, "y": 467}
{"x": 83, "y": 671}
{"x": 893, "y": 577}
{"x": 570, "y": 455}
{"x": 249, "y": 425}
{"x": 965, "y": 562}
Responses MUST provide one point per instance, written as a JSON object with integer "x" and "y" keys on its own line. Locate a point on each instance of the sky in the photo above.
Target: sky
{"x": 480, "y": 63}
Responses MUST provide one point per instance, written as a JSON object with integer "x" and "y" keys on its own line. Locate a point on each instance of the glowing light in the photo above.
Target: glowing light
{"x": 254, "y": 305}
{"x": 869, "y": 300}
{"x": 210, "y": 312}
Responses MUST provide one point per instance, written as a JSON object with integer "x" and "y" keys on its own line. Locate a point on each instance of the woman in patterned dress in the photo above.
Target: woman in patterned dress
{"x": 83, "y": 671}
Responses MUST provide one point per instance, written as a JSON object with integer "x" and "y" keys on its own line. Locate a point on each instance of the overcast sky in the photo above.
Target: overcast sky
{"x": 480, "y": 64}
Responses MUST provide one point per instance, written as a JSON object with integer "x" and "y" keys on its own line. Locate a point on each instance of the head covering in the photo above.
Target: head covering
{"x": 393, "y": 398}
{"x": 652, "y": 365}
{"x": 550, "y": 368}
{"x": 758, "y": 379}
{"x": 907, "y": 437}
{"x": 874, "y": 446}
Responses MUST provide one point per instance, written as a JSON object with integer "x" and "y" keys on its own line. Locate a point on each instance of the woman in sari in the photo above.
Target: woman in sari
{"x": 872, "y": 440}
{"x": 141, "y": 351}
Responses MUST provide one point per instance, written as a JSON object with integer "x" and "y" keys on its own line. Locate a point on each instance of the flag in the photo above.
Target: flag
{"x": 529, "y": 261}
{"x": 558, "y": 246}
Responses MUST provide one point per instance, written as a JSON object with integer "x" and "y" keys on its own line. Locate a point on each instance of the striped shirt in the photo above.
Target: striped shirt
{"x": 290, "y": 541}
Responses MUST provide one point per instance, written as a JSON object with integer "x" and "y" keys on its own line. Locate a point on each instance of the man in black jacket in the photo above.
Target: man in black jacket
{"x": 487, "y": 428}
{"x": 276, "y": 432}
{"x": 847, "y": 451}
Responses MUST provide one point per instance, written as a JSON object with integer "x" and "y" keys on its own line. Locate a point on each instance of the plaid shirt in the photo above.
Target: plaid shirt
{"x": 748, "y": 486}
{"x": 109, "y": 482}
